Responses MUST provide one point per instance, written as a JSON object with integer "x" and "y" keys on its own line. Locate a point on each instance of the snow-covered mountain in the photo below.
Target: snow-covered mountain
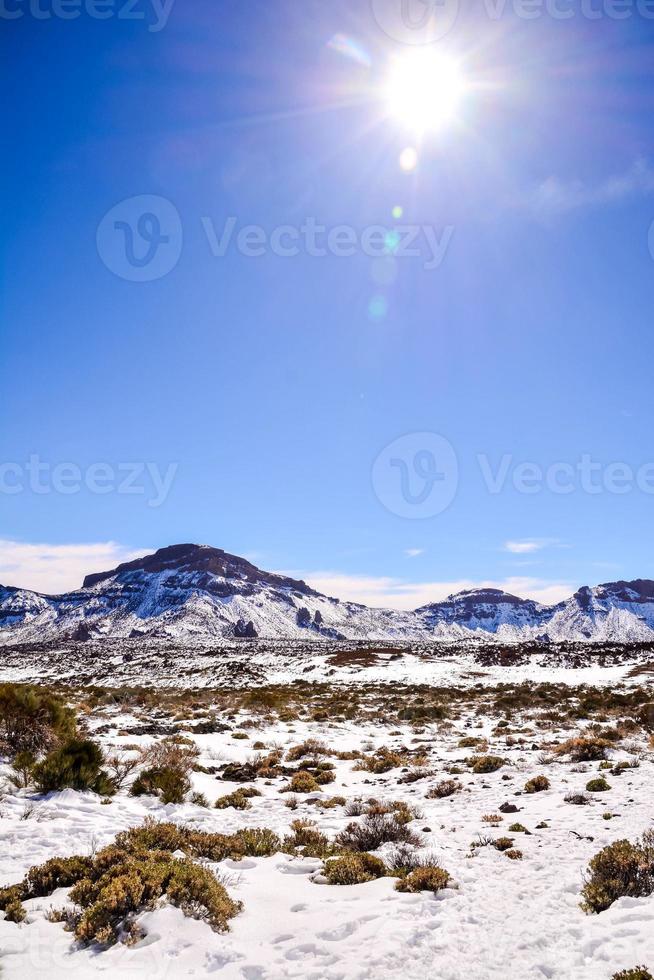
{"x": 194, "y": 592}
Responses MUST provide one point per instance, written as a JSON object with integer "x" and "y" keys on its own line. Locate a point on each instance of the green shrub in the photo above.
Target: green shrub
{"x": 354, "y": 869}
{"x": 33, "y": 720}
{"x": 170, "y": 785}
{"x": 11, "y": 903}
{"x": 537, "y": 784}
{"x": 598, "y": 785}
{"x": 428, "y": 878}
{"x": 257, "y": 842}
{"x": 239, "y": 799}
{"x": 74, "y": 765}
{"x": 618, "y": 870}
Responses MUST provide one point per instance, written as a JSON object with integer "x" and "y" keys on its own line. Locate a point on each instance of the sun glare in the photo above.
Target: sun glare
{"x": 424, "y": 90}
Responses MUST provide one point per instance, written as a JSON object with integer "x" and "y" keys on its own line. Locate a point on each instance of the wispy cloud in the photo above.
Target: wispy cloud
{"x": 393, "y": 593}
{"x": 529, "y": 546}
{"x": 56, "y": 568}
{"x": 414, "y": 552}
{"x": 555, "y": 196}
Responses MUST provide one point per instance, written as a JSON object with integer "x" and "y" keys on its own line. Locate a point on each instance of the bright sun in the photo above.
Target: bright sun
{"x": 424, "y": 90}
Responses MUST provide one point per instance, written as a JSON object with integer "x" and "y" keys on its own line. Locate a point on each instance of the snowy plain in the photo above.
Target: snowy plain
{"x": 499, "y": 918}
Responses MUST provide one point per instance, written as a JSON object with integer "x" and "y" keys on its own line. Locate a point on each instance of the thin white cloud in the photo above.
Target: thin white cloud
{"x": 522, "y": 547}
{"x": 394, "y": 593}
{"x": 414, "y": 552}
{"x": 56, "y": 568}
{"x": 555, "y": 196}
{"x": 528, "y": 546}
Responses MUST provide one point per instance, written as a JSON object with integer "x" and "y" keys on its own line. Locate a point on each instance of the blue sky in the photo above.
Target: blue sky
{"x": 267, "y": 387}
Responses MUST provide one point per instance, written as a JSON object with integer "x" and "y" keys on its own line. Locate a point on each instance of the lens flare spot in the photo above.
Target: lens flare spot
{"x": 408, "y": 159}
{"x": 377, "y": 308}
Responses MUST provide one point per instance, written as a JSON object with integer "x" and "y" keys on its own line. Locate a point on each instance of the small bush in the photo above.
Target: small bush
{"x": 33, "y": 720}
{"x": 125, "y": 878}
{"x": 74, "y": 765}
{"x": 354, "y": 869}
{"x": 303, "y": 782}
{"x": 307, "y": 839}
{"x": 577, "y": 799}
{"x": 518, "y": 828}
{"x": 169, "y": 784}
{"x": 383, "y": 760}
{"x": 429, "y": 878}
{"x": 598, "y": 785}
{"x": 638, "y": 973}
{"x": 585, "y": 749}
{"x": 537, "y": 784}
{"x": 239, "y": 799}
{"x": 257, "y": 842}
{"x": 618, "y": 870}
{"x": 503, "y": 843}
{"x": 373, "y": 831}
{"x": 486, "y": 763}
{"x": 513, "y": 854}
{"x": 448, "y": 787}
{"x": 311, "y": 747}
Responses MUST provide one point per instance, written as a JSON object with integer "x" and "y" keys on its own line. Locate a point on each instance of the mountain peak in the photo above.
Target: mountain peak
{"x": 201, "y": 559}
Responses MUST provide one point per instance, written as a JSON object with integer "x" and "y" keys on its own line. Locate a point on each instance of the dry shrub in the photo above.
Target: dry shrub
{"x": 307, "y": 840}
{"x": 577, "y": 799}
{"x": 302, "y": 782}
{"x": 537, "y": 784}
{"x": 169, "y": 764}
{"x": 447, "y": 787}
{"x": 310, "y": 747}
{"x": 637, "y": 973}
{"x": 373, "y": 831}
{"x": 586, "y": 749}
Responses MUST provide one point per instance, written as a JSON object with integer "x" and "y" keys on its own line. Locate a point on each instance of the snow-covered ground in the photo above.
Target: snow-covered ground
{"x": 161, "y": 665}
{"x": 500, "y": 919}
